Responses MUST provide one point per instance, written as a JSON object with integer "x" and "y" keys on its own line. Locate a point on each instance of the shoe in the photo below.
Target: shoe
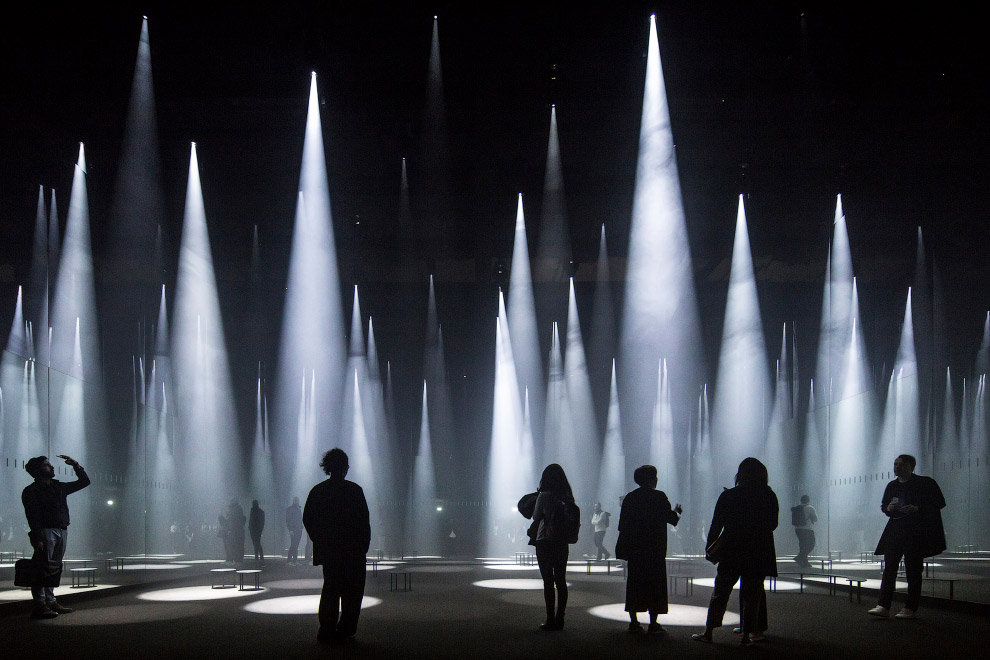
{"x": 702, "y": 637}
{"x": 746, "y": 641}
{"x": 655, "y": 629}
{"x": 635, "y": 626}
{"x": 906, "y": 614}
{"x": 737, "y": 631}
{"x": 879, "y": 611}
{"x": 552, "y": 624}
{"x": 43, "y": 612}
{"x": 755, "y": 639}
{"x": 58, "y": 609}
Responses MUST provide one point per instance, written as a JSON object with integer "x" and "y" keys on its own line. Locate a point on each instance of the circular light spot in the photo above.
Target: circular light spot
{"x": 583, "y": 568}
{"x": 516, "y": 583}
{"x": 297, "y": 604}
{"x": 153, "y": 567}
{"x": 782, "y": 585}
{"x": 678, "y": 615}
{"x": 512, "y": 567}
{"x": 194, "y": 593}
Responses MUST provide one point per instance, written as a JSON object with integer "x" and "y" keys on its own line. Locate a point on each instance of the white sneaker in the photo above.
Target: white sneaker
{"x": 880, "y": 611}
{"x": 906, "y": 614}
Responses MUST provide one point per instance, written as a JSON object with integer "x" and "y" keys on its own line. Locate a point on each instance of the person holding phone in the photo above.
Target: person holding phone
{"x": 47, "y": 511}
{"x": 913, "y": 504}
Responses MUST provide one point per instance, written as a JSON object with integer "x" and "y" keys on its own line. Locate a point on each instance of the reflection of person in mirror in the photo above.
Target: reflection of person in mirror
{"x": 804, "y": 517}
{"x": 913, "y": 504}
{"x": 47, "y": 512}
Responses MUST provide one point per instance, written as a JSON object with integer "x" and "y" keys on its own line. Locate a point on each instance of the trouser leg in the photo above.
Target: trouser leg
{"x": 351, "y": 595}
{"x": 599, "y": 537}
{"x": 913, "y": 566}
{"x": 750, "y": 596}
{"x": 544, "y": 558}
{"x": 560, "y": 580}
{"x": 724, "y": 581}
{"x": 329, "y": 610}
{"x": 891, "y": 563}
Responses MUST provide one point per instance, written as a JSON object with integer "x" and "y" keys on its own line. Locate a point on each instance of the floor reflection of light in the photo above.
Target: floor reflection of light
{"x": 313, "y": 583}
{"x": 867, "y": 584}
{"x": 64, "y": 590}
{"x": 122, "y": 614}
{"x": 297, "y": 605}
{"x": 153, "y": 567}
{"x": 201, "y": 561}
{"x": 678, "y": 615}
{"x": 512, "y": 583}
{"x": 512, "y": 567}
{"x": 782, "y": 585}
{"x": 194, "y": 593}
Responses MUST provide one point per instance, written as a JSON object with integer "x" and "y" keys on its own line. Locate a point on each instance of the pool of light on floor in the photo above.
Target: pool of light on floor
{"x": 678, "y": 615}
{"x": 196, "y": 593}
{"x": 309, "y": 604}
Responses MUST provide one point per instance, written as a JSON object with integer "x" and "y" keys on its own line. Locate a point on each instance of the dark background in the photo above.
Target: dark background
{"x": 788, "y": 103}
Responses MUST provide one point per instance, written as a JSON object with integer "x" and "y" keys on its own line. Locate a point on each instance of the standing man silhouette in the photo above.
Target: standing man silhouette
{"x": 336, "y": 518}
{"x": 294, "y": 523}
{"x": 47, "y": 513}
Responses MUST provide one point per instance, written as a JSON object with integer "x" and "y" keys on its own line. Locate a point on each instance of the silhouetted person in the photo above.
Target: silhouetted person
{"x": 226, "y": 537}
{"x": 599, "y": 521}
{"x": 746, "y": 516}
{"x": 914, "y": 505}
{"x": 236, "y": 520}
{"x": 804, "y": 518}
{"x": 551, "y": 543}
{"x": 294, "y": 523}
{"x": 642, "y": 542}
{"x": 47, "y": 513}
{"x": 256, "y": 525}
{"x": 336, "y": 518}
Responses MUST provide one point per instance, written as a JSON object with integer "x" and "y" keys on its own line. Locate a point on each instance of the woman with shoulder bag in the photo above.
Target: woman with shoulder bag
{"x": 551, "y": 543}
{"x": 740, "y": 540}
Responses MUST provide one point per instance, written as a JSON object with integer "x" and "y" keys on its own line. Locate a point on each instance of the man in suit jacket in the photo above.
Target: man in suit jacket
{"x": 913, "y": 504}
{"x": 336, "y": 518}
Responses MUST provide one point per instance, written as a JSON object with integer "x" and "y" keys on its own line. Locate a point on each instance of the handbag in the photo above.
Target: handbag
{"x": 26, "y": 573}
{"x": 715, "y": 552}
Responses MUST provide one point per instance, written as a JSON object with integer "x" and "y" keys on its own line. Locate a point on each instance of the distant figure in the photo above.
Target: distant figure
{"x": 914, "y": 505}
{"x": 803, "y": 517}
{"x": 47, "y": 513}
{"x": 236, "y": 520}
{"x": 294, "y": 523}
{"x": 553, "y": 497}
{"x": 642, "y": 542}
{"x": 745, "y": 517}
{"x": 600, "y": 521}
{"x": 256, "y": 525}
{"x": 336, "y": 518}
{"x": 224, "y": 534}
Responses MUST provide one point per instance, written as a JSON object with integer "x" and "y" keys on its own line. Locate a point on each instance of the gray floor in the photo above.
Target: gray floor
{"x": 446, "y": 615}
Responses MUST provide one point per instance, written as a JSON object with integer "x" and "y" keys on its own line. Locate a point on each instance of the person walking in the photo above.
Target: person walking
{"x": 804, "y": 517}
{"x": 913, "y": 504}
{"x": 599, "y": 522}
{"x": 642, "y": 543}
{"x": 336, "y": 518}
{"x": 740, "y": 542}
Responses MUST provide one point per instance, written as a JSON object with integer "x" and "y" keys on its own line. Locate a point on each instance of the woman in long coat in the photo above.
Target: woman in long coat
{"x": 746, "y": 516}
{"x": 642, "y": 542}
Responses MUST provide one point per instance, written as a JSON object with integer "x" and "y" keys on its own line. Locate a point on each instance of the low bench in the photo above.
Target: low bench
{"x": 221, "y": 575}
{"x": 608, "y": 563}
{"x": 830, "y": 580}
{"x": 83, "y": 575}
{"x": 373, "y": 563}
{"x": 249, "y": 572}
{"x": 393, "y": 581}
{"x": 688, "y": 583}
{"x": 950, "y": 581}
